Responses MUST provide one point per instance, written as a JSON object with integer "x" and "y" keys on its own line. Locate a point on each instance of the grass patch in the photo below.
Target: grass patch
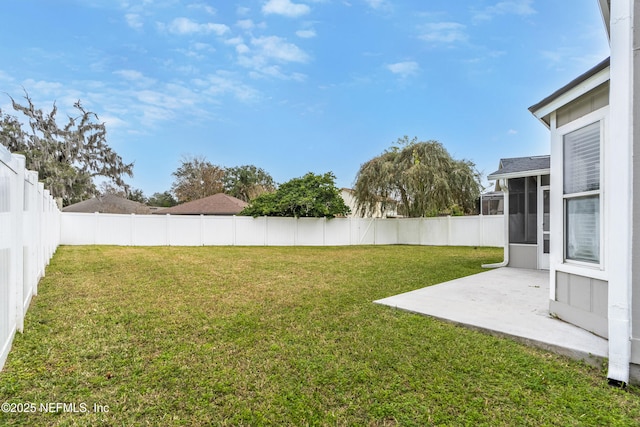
{"x": 281, "y": 336}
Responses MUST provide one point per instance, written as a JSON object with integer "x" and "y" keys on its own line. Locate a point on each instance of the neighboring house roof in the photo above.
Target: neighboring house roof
{"x": 109, "y": 203}
{"x": 492, "y": 195}
{"x": 516, "y": 167}
{"x": 218, "y": 204}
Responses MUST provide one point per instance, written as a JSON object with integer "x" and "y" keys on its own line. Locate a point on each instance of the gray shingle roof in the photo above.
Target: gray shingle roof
{"x": 109, "y": 203}
{"x": 218, "y": 204}
{"x": 521, "y": 165}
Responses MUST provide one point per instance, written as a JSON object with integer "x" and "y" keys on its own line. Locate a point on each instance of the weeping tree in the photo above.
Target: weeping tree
{"x": 67, "y": 158}
{"x": 420, "y": 177}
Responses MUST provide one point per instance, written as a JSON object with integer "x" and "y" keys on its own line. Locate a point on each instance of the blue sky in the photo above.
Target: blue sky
{"x": 296, "y": 86}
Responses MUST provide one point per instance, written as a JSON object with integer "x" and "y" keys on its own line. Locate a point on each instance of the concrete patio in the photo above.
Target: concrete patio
{"x": 510, "y": 302}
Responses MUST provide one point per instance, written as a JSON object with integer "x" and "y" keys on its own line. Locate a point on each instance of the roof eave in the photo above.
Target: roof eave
{"x": 574, "y": 89}
{"x": 605, "y": 12}
{"x": 522, "y": 174}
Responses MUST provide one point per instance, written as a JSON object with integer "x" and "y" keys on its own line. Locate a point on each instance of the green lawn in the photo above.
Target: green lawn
{"x": 280, "y": 336}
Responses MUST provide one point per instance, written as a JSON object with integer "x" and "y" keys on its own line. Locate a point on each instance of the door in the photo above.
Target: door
{"x": 543, "y": 227}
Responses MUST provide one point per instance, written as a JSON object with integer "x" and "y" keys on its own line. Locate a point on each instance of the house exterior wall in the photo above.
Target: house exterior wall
{"x": 618, "y": 165}
{"x": 585, "y": 104}
{"x": 618, "y": 214}
{"x": 581, "y": 300}
{"x": 578, "y": 291}
{"x": 635, "y": 292}
{"x": 350, "y": 200}
{"x": 523, "y": 256}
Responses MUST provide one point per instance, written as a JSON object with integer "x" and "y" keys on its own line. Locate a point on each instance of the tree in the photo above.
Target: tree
{"x": 421, "y": 176}
{"x": 247, "y": 182}
{"x": 66, "y": 158}
{"x": 197, "y": 178}
{"x": 135, "y": 194}
{"x": 309, "y": 196}
{"x": 163, "y": 200}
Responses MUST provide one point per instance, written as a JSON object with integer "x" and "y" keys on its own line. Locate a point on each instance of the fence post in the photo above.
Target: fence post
{"x": 167, "y": 230}
{"x": 96, "y": 228}
{"x": 17, "y": 208}
{"x": 132, "y": 229}
{"x": 201, "y": 230}
{"x": 24, "y": 243}
{"x": 324, "y": 231}
{"x": 233, "y": 231}
{"x": 266, "y": 231}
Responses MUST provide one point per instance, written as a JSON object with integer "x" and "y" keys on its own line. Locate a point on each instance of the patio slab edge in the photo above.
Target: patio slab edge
{"x": 504, "y": 302}
{"x": 590, "y": 359}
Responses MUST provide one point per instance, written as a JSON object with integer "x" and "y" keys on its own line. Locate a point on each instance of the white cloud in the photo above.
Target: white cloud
{"x": 263, "y": 52}
{"x": 243, "y": 11}
{"x": 223, "y": 83}
{"x": 202, "y": 6}
{"x": 164, "y": 103}
{"x": 184, "y": 26}
{"x": 43, "y": 87}
{"x": 44, "y": 93}
{"x": 563, "y": 57}
{"x": 378, "y": 4}
{"x": 234, "y": 41}
{"x": 134, "y": 21}
{"x": 276, "y": 71}
{"x": 238, "y": 42}
{"x": 5, "y": 77}
{"x": 203, "y": 46}
{"x": 285, "y": 8}
{"x": 512, "y": 132}
{"x": 404, "y": 69}
{"x": 277, "y": 48}
{"x": 129, "y": 74}
{"x": 242, "y": 48}
{"x": 245, "y": 24}
{"x": 125, "y": 104}
{"x": 443, "y": 32}
{"x": 306, "y": 34}
{"x": 112, "y": 121}
{"x": 507, "y": 7}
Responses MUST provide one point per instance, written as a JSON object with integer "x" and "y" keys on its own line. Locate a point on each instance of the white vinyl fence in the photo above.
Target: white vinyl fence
{"x": 32, "y": 227}
{"x": 29, "y": 235}
{"x": 200, "y": 230}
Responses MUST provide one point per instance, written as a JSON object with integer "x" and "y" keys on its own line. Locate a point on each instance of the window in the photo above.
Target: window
{"x": 581, "y": 182}
{"x": 492, "y": 205}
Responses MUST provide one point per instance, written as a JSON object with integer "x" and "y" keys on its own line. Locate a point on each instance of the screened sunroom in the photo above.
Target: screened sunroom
{"x": 525, "y": 184}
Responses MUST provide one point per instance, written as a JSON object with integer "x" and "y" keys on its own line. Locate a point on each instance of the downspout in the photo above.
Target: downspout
{"x": 618, "y": 180}
{"x": 503, "y": 183}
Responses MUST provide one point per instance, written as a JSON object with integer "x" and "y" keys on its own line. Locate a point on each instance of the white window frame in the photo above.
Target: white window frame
{"x": 602, "y": 117}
